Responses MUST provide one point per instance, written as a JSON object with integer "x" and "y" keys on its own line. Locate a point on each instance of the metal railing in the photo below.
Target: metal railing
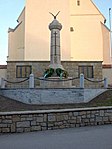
{"x": 59, "y": 80}
{"x": 16, "y": 82}
{"x": 94, "y": 81}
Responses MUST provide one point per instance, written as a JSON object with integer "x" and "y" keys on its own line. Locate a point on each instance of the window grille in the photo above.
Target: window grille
{"x": 23, "y": 71}
{"x": 87, "y": 71}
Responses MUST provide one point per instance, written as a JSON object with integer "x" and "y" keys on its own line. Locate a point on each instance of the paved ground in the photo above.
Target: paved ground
{"x": 98, "y": 137}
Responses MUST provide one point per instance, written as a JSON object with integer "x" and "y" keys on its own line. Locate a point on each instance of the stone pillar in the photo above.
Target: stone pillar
{"x": 81, "y": 80}
{"x": 55, "y": 56}
{"x": 55, "y": 68}
{"x": 31, "y": 81}
{"x": 105, "y": 83}
{"x": 2, "y": 82}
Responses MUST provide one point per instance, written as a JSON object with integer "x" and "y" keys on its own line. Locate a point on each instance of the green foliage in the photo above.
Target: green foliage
{"x": 48, "y": 73}
{"x": 61, "y": 73}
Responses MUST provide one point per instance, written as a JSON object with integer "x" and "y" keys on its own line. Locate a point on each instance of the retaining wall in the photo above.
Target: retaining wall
{"x": 51, "y": 96}
{"x": 28, "y": 121}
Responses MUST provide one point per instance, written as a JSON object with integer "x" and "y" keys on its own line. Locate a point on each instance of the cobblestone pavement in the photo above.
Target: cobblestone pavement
{"x": 98, "y": 137}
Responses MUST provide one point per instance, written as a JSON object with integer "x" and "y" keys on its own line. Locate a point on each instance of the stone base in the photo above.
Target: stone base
{"x": 43, "y": 96}
{"x": 54, "y": 82}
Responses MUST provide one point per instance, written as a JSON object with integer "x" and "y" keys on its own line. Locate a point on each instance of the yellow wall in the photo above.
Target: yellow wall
{"x": 86, "y": 40}
{"x": 16, "y": 40}
{"x": 37, "y": 41}
{"x": 86, "y": 7}
{"x": 31, "y": 39}
{"x": 84, "y": 44}
{"x": 106, "y": 44}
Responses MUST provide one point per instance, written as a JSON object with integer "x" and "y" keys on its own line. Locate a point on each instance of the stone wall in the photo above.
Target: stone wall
{"x": 16, "y": 122}
{"x": 38, "y": 68}
{"x": 43, "y": 96}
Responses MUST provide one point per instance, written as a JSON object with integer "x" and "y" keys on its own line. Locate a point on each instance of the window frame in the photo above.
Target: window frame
{"x": 87, "y": 70}
{"x": 22, "y": 71}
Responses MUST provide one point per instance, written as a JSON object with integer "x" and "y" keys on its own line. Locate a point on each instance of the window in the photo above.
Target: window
{"x": 78, "y": 2}
{"x": 23, "y": 71}
{"x": 87, "y": 71}
{"x": 71, "y": 29}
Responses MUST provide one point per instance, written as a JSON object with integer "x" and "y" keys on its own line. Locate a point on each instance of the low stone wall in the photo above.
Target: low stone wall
{"x": 16, "y": 122}
{"x": 51, "y": 96}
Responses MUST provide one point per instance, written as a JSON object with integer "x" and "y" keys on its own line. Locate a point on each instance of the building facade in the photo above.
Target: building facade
{"x": 85, "y": 40}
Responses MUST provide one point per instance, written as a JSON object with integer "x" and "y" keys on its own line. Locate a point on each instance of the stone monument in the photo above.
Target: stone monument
{"x": 55, "y": 70}
{"x": 55, "y": 57}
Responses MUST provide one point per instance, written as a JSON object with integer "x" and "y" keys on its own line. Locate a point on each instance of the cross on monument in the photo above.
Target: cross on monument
{"x": 55, "y": 42}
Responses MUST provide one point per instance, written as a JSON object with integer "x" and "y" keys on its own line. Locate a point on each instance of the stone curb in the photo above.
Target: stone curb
{"x": 55, "y": 110}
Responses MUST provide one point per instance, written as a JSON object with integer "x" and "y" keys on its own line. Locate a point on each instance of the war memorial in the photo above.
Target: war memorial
{"x": 54, "y": 87}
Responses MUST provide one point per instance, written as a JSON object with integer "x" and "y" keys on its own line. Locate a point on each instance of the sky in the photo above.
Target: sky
{"x": 11, "y": 9}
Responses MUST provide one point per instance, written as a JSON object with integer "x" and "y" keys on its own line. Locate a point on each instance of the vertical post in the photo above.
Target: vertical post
{"x": 110, "y": 34}
{"x": 31, "y": 81}
{"x": 105, "y": 83}
{"x": 81, "y": 80}
{"x": 2, "y": 83}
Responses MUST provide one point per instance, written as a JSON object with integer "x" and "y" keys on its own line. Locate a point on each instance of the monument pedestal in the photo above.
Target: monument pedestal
{"x": 54, "y": 82}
